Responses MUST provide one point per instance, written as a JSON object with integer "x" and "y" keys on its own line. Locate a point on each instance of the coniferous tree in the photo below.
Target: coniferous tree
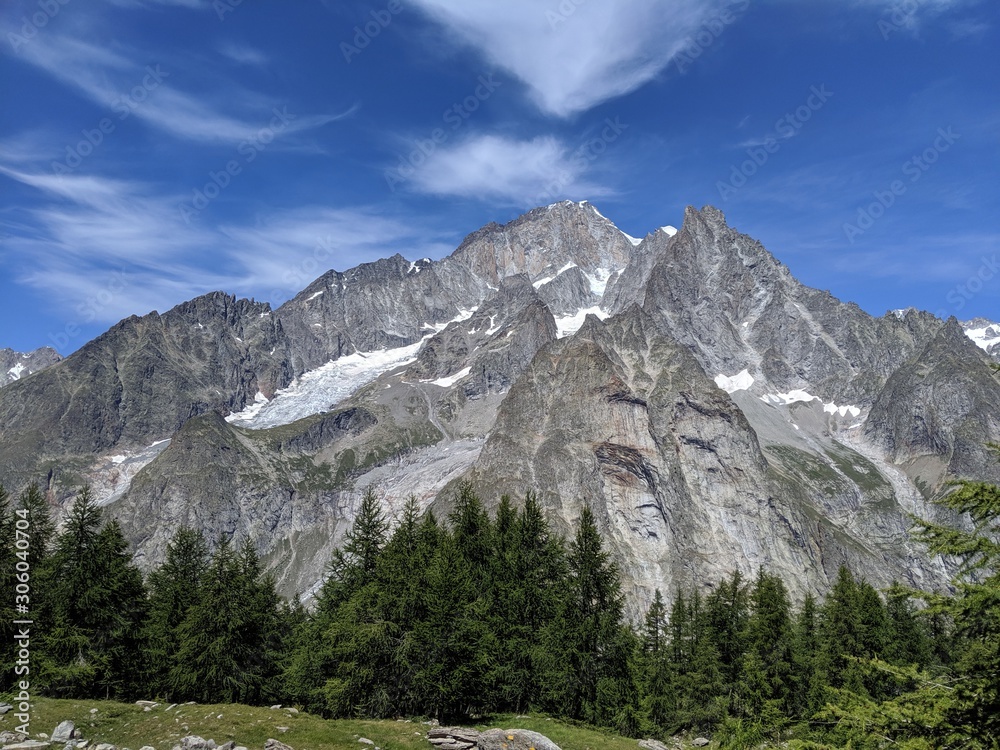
{"x": 354, "y": 565}
{"x": 808, "y": 693}
{"x": 960, "y": 707}
{"x": 224, "y": 644}
{"x": 94, "y": 607}
{"x": 727, "y": 610}
{"x": 450, "y": 644}
{"x": 41, "y": 529}
{"x": 654, "y": 666}
{"x": 589, "y": 647}
{"x": 174, "y": 588}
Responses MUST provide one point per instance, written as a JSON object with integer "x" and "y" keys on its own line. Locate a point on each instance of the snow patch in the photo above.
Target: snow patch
{"x": 786, "y": 399}
{"x": 449, "y": 381}
{"x": 986, "y": 337}
{"x": 319, "y": 389}
{"x": 739, "y": 382}
{"x": 251, "y": 411}
{"x": 634, "y": 240}
{"x": 599, "y": 280}
{"x": 16, "y": 370}
{"x": 843, "y": 411}
{"x": 570, "y": 324}
{"x": 800, "y": 396}
{"x": 669, "y": 230}
{"x": 311, "y": 297}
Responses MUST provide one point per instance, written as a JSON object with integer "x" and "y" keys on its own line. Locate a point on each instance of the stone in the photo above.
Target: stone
{"x": 64, "y": 732}
{"x": 453, "y": 738}
{"x": 514, "y": 739}
{"x": 151, "y": 704}
{"x": 365, "y": 741}
{"x": 147, "y": 747}
{"x": 194, "y": 742}
{"x": 7, "y": 737}
{"x": 105, "y": 746}
{"x": 228, "y": 745}
{"x": 273, "y": 744}
{"x": 27, "y": 745}
{"x": 652, "y": 745}
{"x": 5, "y": 707}
{"x": 292, "y": 711}
{"x": 700, "y": 741}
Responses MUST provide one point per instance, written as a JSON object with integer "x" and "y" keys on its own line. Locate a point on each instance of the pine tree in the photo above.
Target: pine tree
{"x": 95, "y": 604}
{"x": 589, "y": 647}
{"x": 769, "y": 638}
{"x": 174, "y": 588}
{"x": 654, "y": 665}
{"x": 225, "y": 646}
{"x": 961, "y": 706}
{"x": 41, "y": 529}
{"x": 354, "y": 565}
{"x": 728, "y": 608}
{"x": 473, "y": 534}
{"x": 809, "y": 683}
{"x": 449, "y": 646}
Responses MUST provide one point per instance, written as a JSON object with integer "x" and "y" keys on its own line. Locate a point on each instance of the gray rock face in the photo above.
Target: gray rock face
{"x": 15, "y": 365}
{"x": 723, "y": 417}
{"x": 138, "y": 383}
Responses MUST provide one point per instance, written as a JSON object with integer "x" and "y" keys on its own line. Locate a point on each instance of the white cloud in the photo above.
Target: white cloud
{"x": 513, "y": 172}
{"x": 146, "y": 91}
{"x": 126, "y": 245}
{"x": 575, "y": 55}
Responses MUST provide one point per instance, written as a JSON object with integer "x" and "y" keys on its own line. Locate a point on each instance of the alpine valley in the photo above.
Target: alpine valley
{"x": 713, "y": 412}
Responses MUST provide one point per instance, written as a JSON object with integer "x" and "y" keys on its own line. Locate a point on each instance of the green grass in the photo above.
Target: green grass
{"x": 129, "y": 726}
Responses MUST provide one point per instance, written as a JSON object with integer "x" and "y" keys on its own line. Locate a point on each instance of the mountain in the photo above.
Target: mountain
{"x": 15, "y": 365}
{"x": 712, "y": 411}
{"x": 986, "y": 335}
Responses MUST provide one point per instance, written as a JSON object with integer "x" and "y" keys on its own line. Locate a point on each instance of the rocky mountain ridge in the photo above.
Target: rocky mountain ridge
{"x": 15, "y": 365}
{"x": 713, "y": 411}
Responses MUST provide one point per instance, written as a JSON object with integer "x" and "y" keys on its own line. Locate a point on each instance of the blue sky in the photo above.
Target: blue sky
{"x": 155, "y": 150}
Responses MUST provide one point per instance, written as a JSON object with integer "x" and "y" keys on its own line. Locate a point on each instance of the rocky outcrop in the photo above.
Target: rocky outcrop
{"x": 461, "y": 738}
{"x": 15, "y": 365}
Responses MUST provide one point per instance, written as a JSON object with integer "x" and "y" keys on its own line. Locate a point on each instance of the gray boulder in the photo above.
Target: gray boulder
{"x": 64, "y": 732}
{"x": 514, "y": 739}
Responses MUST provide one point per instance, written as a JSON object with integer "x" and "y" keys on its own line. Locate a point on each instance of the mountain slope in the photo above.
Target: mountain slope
{"x": 714, "y": 412}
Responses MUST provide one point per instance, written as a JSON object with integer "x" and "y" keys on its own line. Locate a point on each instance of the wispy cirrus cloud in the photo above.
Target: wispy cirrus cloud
{"x": 573, "y": 56}
{"x": 112, "y": 79}
{"x": 87, "y": 230}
